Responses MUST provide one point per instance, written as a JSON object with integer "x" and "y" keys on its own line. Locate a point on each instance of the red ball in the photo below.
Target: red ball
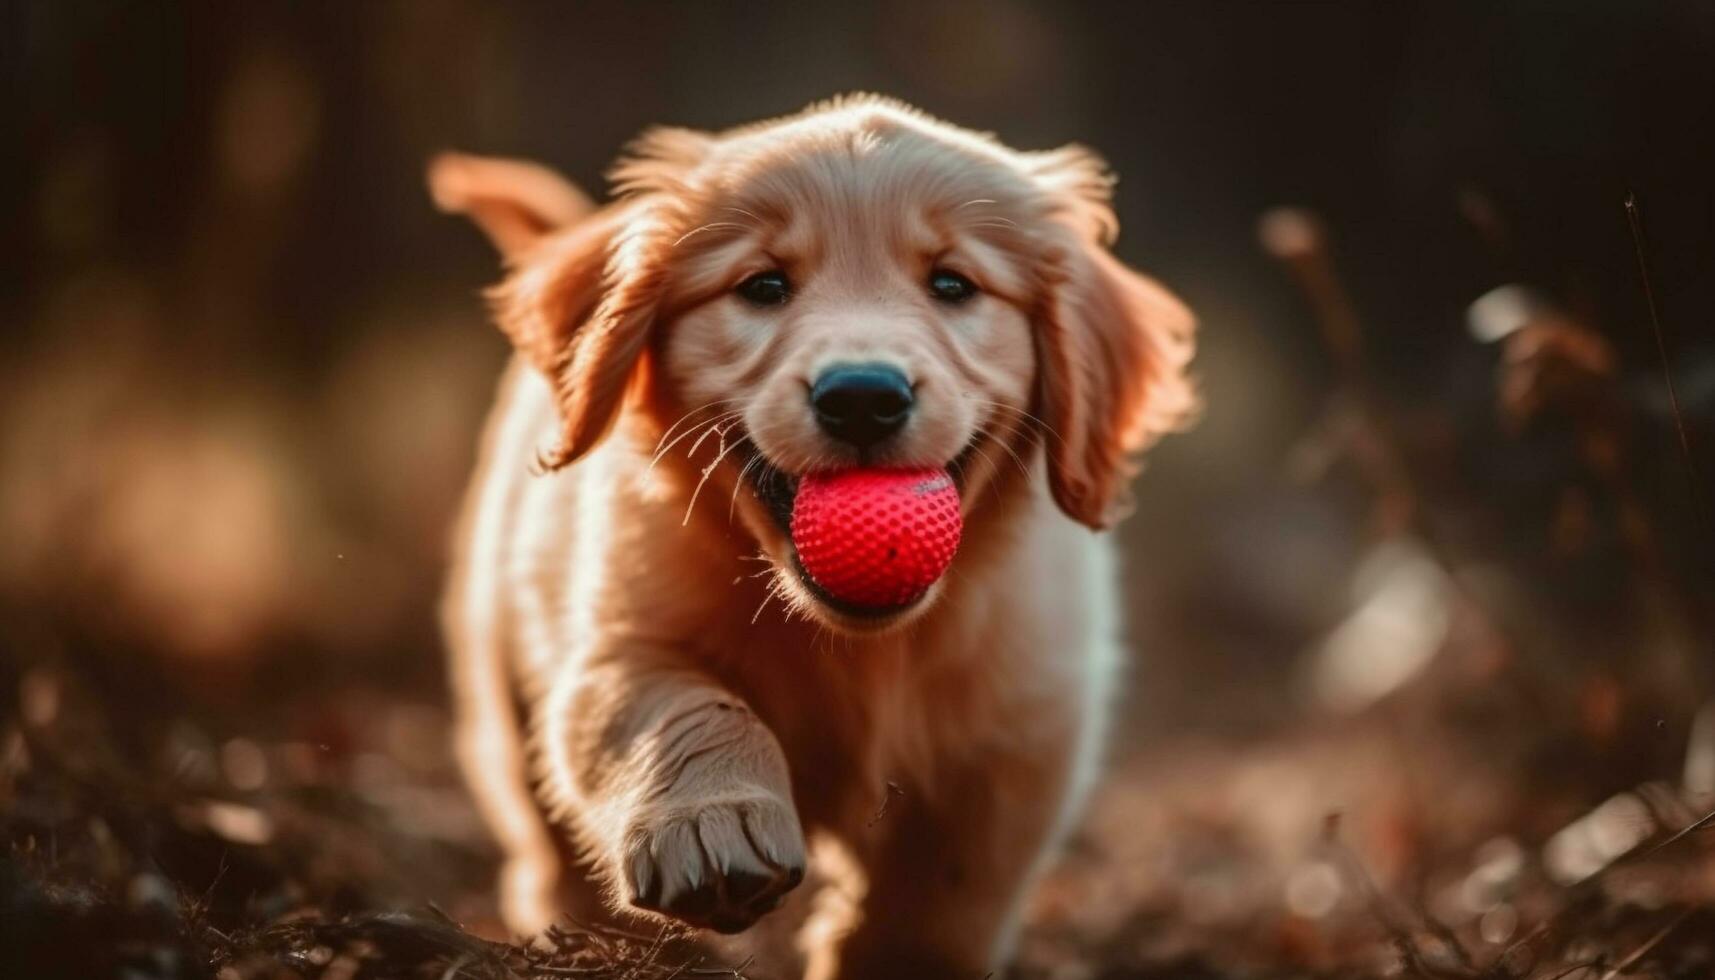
{"x": 873, "y": 537}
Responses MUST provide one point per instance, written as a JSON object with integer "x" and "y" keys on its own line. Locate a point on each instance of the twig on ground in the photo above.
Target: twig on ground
{"x": 1587, "y": 887}
{"x": 1691, "y": 476}
{"x": 1649, "y": 944}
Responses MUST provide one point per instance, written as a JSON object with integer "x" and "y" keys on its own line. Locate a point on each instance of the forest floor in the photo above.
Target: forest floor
{"x": 1391, "y": 843}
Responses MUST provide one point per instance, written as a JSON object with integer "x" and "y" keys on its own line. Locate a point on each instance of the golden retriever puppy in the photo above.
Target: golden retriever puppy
{"x": 654, "y": 704}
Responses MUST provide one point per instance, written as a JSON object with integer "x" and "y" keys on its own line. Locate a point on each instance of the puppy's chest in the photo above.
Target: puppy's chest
{"x": 855, "y": 719}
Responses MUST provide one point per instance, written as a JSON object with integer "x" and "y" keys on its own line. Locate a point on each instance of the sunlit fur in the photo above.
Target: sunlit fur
{"x": 643, "y": 682}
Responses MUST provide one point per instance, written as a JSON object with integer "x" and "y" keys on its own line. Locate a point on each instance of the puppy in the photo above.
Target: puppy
{"x": 654, "y": 707}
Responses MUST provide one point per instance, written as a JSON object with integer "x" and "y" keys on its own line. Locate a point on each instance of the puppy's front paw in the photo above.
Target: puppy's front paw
{"x": 717, "y": 866}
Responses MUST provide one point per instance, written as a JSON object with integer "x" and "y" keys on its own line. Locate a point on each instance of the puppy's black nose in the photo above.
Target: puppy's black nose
{"x": 861, "y": 404}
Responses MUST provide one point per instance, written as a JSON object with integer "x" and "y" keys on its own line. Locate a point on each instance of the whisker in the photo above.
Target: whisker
{"x": 797, "y": 607}
{"x": 708, "y": 227}
{"x": 988, "y": 460}
{"x": 703, "y": 426}
{"x": 707, "y": 470}
{"x": 711, "y": 430}
{"x": 773, "y": 590}
{"x": 682, "y": 418}
{"x": 1023, "y": 469}
{"x": 749, "y": 214}
{"x": 738, "y": 484}
{"x": 758, "y": 613}
{"x": 1044, "y": 426}
{"x": 683, "y": 435}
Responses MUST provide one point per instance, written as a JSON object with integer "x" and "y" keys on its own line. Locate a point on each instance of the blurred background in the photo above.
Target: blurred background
{"x": 1433, "y": 581}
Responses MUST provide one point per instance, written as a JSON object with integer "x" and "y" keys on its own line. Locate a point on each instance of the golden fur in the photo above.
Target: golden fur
{"x": 650, "y": 701}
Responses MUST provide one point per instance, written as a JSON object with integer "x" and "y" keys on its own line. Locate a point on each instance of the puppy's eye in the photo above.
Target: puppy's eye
{"x": 950, "y": 287}
{"x": 769, "y": 288}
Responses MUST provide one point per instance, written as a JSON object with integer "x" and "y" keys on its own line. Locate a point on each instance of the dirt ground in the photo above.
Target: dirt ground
{"x": 1441, "y": 833}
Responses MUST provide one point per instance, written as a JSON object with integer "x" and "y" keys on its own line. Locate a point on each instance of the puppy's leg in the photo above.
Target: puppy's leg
{"x": 477, "y": 619}
{"x": 489, "y": 743}
{"x": 677, "y": 789}
{"x": 948, "y": 877}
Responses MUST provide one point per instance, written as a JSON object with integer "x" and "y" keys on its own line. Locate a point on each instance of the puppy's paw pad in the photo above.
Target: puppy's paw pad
{"x": 720, "y": 866}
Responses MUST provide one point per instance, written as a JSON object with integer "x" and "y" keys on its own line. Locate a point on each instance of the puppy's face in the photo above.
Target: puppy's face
{"x": 857, "y": 286}
{"x": 841, "y": 300}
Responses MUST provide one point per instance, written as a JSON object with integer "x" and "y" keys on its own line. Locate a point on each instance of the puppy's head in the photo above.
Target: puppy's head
{"x": 855, "y": 285}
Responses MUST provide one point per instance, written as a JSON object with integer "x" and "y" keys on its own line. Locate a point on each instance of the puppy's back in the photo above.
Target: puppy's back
{"x": 480, "y": 615}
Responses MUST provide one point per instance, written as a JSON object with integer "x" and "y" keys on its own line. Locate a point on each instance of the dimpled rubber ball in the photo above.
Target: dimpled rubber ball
{"x": 876, "y": 537}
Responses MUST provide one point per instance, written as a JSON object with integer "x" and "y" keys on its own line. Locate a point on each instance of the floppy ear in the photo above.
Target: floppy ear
{"x": 514, "y": 202}
{"x": 584, "y": 287}
{"x": 580, "y": 305}
{"x": 1113, "y": 346}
